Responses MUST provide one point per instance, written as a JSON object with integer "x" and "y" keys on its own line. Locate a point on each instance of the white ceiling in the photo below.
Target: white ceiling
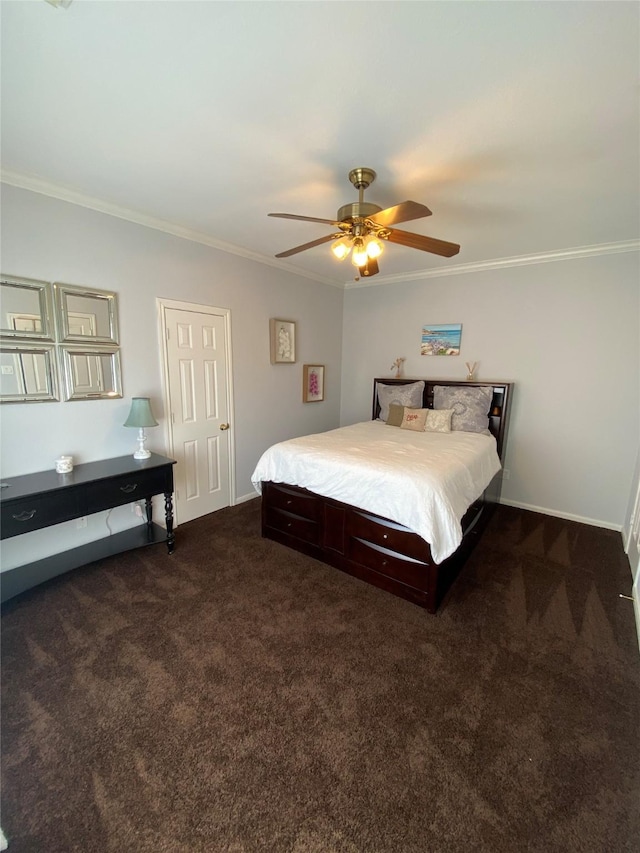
{"x": 516, "y": 123}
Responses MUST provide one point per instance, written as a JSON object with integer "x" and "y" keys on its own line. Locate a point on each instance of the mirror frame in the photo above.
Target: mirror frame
{"x": 48, "y": 396}
{"x": 45, "y": 300}
{"x": 70, "y": 392}
{"x": 61, "y": 291}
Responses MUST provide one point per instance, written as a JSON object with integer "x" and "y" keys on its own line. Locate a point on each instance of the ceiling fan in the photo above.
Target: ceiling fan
{"x": 363, "y": 226}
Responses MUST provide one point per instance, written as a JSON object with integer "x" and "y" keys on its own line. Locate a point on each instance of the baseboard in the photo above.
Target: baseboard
{"x": 568, "y": 516}
{"x": 244, "y": 498}
{"x": 635, "y": 592}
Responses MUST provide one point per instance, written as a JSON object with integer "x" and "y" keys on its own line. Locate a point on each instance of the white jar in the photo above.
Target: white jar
{"x": 64, "y": 464}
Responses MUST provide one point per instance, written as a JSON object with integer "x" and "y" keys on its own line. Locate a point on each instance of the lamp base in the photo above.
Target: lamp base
{"x": 141, "y": 452}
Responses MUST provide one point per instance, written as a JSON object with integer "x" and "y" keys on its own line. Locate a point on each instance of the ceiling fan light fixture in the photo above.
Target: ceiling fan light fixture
{"x": 359, "y": 256}
{"x": 341, "y": 249}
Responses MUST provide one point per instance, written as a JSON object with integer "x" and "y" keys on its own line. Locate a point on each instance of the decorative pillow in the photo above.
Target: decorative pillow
{"x": 470, "y": 405}
{"x": 396, "y": 413}
{"x": 414, "y": 419}
{"x": 402, "y": 395}
{"x": 439, "y": 420}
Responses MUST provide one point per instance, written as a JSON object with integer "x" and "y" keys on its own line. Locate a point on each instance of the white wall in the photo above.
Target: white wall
{"x": 567, "y": 334}
{"x": 47, "y": 239}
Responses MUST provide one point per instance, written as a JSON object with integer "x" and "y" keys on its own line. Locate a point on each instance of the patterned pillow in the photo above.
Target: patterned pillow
{"x": 414, "y": 419}
{"x": 470, "y": 405}
{"x": 402, "y": 395}
{"x": 439, "y": 420}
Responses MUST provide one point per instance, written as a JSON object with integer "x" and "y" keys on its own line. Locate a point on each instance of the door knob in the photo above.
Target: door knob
{"x": 224, "y": 426}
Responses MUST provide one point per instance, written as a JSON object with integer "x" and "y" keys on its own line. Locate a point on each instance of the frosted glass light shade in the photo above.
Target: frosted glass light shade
{"x": 374, "y": 247}
{"x": 340, "y": 249}
{"x": 359, "y": 256}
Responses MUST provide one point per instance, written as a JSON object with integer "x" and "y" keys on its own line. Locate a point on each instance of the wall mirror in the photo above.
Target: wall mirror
{"x": 27, "y": 373}
{"x": 85, "y": 315}
{"x": 27, "y": 309}
{"x": 91, "y": 374}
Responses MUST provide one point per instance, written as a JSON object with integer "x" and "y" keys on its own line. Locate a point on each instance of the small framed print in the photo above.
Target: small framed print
{"x": 282, "y": 334}
{"x": 313, "y": 383}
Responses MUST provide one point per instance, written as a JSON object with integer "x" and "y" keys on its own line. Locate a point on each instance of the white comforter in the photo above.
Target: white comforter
{"x": 422, "y": 480}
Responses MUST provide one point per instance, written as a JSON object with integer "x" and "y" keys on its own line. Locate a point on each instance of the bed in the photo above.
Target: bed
{"x": 400, "y": 508}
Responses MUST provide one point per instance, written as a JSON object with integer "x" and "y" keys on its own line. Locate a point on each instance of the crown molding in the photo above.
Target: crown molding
{"x": 37, "y": 185}
{"x": 504, "y": 263}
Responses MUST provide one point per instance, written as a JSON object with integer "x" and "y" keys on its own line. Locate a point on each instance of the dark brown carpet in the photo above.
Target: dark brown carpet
{"x": 241, "y": 697}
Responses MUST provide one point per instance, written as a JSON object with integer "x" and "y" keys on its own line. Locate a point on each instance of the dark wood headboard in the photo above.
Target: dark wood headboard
{"x": 498, "y": 413}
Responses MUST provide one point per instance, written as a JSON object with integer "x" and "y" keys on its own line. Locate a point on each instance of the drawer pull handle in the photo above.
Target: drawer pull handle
{"x": 26, "y": 515}
{"x": 289, "y": 524}
{"x": 384, "y": 563}
{"x": 384, "y": 536}
{"x": 130, "y": 487}
{"x": 288, "y": 503}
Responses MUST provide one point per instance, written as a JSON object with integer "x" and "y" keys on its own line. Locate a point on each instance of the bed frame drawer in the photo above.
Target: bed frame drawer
{"x": 387, "y": 563}
{"x": 293, "y": 525}
{"x": 298, "y": 503}
{"x": 387, "y": 534}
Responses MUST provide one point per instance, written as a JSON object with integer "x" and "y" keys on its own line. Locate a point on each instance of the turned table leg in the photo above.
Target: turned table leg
{"x": 168, "y": 514}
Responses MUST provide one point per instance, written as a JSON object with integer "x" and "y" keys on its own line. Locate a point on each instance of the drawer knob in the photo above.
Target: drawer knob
{"x": 130, "y": 487}
{"x": 288, "y": 503}
{"x": 289, "y": 524}
{"x": 384, "y": 536}
{"x": 384, "y": 562}
{"x": 26, "y": 515}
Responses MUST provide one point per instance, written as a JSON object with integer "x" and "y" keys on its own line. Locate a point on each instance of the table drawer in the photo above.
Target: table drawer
{"x": 23, "y": 516}
{"x": 411, "y": 573}
{"x": 294, "y": 525}
{"x": 387, "y": 534}
{"x": 290, "y": 500}
{"x": 106, "y": 494}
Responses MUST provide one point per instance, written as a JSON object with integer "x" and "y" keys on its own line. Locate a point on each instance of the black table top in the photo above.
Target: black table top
{"x": 86, "y": 472}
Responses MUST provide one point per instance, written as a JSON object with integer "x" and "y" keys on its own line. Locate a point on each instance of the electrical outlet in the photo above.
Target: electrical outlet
{"x": 7, "y": 369}
{"x": 81, "y": 522}
{"x": 506, "y": 473}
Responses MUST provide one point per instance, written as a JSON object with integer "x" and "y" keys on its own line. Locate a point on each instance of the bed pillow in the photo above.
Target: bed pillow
{"x": 396, "y": 413}
{"x": 414, "y": 419}
{"x": 439, "y": 420}
{"x": 402, "y": 395}
{"x": 470, "y": 405}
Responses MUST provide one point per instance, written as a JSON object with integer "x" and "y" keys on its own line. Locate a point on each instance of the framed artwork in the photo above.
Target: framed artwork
{"x": 313, "y": 383}
{"x": 441, "y": 339}
{"x": 282, "y": 335}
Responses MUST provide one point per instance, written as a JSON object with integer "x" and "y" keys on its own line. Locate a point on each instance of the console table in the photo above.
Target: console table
{"x": 39, "y": 500}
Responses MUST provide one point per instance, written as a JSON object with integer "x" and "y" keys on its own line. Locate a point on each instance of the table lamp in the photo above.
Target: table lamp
{"x": 140, "y": 417}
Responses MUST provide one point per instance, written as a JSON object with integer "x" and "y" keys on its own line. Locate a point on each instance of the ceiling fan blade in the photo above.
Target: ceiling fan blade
{"x": 370, "y": 268}
{"x": 303, "y": 218}
{"x": 304, "y": 246}
{"x": 425, "y": 244}
{"x": 403, "y": 212}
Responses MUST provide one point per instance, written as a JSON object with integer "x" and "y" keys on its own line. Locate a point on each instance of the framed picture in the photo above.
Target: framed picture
{"x": 283, "y": 341}
{"x": 313, "y": 383}
{"x": 441, "y": 339}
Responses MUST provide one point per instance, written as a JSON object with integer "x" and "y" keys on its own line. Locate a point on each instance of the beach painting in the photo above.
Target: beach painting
{"x": 441, "y": 339}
